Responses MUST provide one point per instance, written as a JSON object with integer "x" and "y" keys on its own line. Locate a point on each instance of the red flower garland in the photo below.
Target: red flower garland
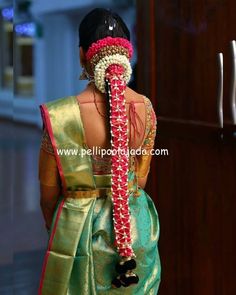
{"x": 114, "y": 76}
{"x": 120, "y": 160}
{"x": 108, "y": 41}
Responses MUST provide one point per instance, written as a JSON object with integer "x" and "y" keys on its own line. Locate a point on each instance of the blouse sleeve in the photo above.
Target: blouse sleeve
{"x": 48, "y": 171}
{"x": 144, "y": 160}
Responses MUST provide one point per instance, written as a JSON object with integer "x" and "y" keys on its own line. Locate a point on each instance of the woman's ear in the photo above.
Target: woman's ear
{"x": 82, "y": 56}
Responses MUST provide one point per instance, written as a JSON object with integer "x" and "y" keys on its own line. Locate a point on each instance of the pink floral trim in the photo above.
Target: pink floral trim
{"x": 108, "y": 41}
{"x": 119, "y": 160}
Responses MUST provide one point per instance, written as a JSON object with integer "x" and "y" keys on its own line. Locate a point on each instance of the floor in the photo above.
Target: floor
{"x": 23, "y": 236}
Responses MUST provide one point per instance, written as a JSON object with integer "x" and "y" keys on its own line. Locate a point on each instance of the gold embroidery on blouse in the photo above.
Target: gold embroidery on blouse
{"x": 46, "y": 144}
{"x": 48, "y": 173}
{"x": 144, "y": 161}
{"x": 150, "y": 126}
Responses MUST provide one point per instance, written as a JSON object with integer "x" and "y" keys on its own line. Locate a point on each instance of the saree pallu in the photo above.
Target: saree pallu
{"x": 80, "y": 258}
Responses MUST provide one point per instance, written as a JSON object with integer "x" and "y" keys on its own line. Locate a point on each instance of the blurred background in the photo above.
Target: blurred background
{"x": 185, "y": 62}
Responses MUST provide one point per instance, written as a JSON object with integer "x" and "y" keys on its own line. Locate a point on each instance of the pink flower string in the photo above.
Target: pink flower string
{"x": 119, "y": 160}
{"x": 109, "y": 41}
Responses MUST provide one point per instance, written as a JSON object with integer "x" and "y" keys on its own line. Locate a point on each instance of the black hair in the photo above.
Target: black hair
{"x": 100, "y": 23}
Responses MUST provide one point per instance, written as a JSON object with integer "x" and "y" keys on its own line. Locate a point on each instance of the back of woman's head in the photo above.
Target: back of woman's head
{"x": 101, "y": 23}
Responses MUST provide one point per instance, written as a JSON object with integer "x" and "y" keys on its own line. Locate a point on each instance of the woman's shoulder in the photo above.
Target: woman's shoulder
{"x": 141, "y": 98}
{"x": 61, "y": 102}
{"x": 133, "y": 96}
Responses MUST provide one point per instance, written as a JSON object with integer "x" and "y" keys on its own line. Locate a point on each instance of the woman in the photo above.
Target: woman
{"x": 103, "y": 227}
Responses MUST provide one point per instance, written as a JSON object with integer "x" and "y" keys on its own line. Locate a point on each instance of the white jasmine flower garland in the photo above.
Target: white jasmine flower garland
{"x": 104, "y": 63}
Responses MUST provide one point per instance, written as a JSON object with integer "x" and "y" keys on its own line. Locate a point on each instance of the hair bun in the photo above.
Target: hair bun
{"x": 106, "y": 52}
{"x": 103, "y": 65}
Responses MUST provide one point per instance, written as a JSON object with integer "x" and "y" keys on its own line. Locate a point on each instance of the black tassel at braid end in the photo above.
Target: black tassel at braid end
{"x": 124, "y": 266}
{"x": 125, "y": 280}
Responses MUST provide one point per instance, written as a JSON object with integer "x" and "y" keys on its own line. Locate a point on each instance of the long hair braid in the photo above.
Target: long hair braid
{"x": 109, "y": 58}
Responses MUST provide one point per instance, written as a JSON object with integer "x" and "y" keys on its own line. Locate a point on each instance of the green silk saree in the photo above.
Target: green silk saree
{"x": 81, "y": 256}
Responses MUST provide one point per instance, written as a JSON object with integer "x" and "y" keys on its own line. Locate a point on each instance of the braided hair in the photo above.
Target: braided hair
{"x": 105, "y": 40}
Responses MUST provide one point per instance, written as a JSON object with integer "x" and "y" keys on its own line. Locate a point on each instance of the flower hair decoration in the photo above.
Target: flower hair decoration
{"x": 110, "y": 60}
